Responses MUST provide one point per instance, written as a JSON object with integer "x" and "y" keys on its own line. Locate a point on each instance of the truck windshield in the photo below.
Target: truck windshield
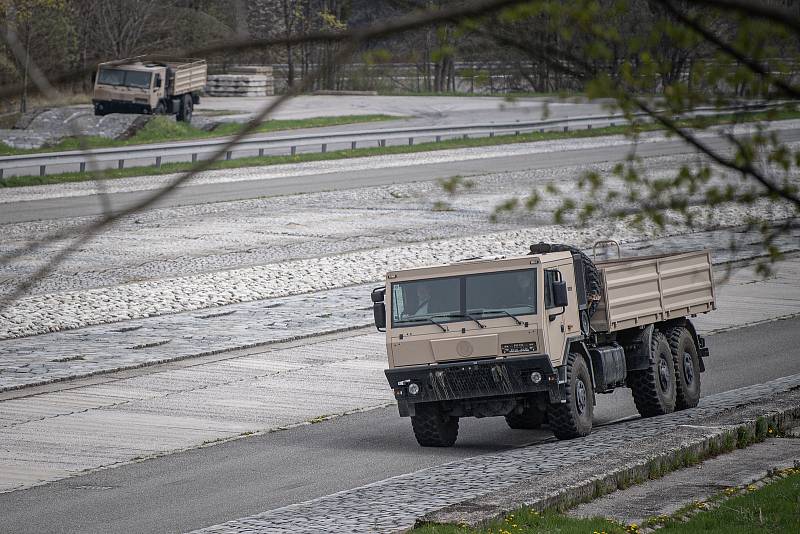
{"x": 127, "y": 78}
{"x": 449, "y": 299}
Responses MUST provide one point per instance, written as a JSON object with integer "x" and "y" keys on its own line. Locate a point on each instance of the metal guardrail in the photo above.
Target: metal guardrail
{"x": 183, "y": 151}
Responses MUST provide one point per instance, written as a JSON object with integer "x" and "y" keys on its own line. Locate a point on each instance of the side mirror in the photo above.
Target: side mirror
{"x": 379, "y": 314}
{"x": 560, "y": 294}
{"x": 158, "y": 81}
{"x": 379, "y": 308}
{"x": 378, "y": 294}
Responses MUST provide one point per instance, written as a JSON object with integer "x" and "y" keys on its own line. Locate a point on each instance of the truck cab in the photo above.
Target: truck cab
{"x": 137, "y": 87}
{"x": 514, "y": 337}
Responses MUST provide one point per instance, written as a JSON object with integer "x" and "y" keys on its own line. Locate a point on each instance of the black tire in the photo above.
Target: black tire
{"x": 530, "y": 419}
{"x": 185, "y": 111}
{"x": 432, "y": 428}
{"x": 654, "y": 388}
{"x": 160, "y": 109}
{"x": 574, "y": 418}
{"x": 687, "y": 367}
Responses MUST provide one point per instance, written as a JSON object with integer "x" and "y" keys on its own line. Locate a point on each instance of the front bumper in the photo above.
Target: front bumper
{"x": 473, "y": 380}
{"x": 121, "y": 106}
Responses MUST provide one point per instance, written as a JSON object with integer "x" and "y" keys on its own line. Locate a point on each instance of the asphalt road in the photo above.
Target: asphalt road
{"x": 207, "y": 486}
{"x": 220, "y": 192}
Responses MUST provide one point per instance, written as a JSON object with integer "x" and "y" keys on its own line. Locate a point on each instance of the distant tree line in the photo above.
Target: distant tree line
{"x": 537, "y": 48}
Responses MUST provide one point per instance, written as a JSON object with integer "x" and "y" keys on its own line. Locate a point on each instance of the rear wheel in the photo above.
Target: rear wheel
{"x": 531, "y": 418}
{"x": 432, "y": 428}
{"x": 573, "y": 419}
{"x": 654, "y": 388}
{"x": 185, "y": 111}
{"x": 687, "y": 367}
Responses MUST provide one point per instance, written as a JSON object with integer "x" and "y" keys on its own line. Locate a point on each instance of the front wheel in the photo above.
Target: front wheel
{"x": 573, "y": 419}
{"x": 432, "y": 428}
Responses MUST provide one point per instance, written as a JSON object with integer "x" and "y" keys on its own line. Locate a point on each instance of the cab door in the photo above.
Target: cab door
{"x": 561, "y": 322}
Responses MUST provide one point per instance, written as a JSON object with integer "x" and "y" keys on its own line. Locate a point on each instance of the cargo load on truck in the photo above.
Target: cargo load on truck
{"x": 150, "y": 85}
{"x": 534, "y": 338}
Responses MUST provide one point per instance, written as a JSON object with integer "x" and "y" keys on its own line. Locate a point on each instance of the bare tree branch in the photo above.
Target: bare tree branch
{"x": 757, "y": 9}
{"x": 728, "y": 49}
{"x": 746, "y": 168}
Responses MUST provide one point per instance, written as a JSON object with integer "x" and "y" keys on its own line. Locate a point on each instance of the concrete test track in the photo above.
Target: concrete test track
{"x": 210, "y": 485}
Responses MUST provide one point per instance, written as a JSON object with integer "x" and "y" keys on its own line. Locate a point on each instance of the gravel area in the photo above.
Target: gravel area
{"x": 38, "y": 314}
{"x": 197, "y": 239}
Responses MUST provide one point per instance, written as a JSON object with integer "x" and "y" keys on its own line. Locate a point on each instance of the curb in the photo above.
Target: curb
{"x": 712, "y": 440}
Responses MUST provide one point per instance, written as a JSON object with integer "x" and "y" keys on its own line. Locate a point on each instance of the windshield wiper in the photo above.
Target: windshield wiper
{"x": 484, "y": 312}
{"x": 468, "y": 316}
{"x": 423, "y": 319}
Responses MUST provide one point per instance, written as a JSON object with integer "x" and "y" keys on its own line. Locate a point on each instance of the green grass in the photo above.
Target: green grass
{"x": 509, "y": 95}
{"x": 164, "y": 129}
{"x": 772, "y": 508}
{"x": 19, "y": 181}
{"x": 527, "y": 522}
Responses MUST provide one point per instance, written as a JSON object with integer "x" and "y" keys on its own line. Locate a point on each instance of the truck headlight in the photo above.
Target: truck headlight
{"x": 413, "y": 388}
{"x": 536, "y": 377}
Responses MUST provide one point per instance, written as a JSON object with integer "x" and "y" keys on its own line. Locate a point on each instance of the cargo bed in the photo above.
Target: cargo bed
{"x": 649, "y": 289}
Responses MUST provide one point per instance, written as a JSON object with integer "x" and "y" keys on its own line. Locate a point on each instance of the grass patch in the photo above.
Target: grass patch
{"x": 163, "y": 129}
{"x": 772, "y": 508}
{"x": 529, "y": 521}
{"x": 18, "y": 181}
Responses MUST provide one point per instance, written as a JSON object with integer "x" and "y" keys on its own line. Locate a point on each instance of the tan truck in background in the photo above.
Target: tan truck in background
{"x": 535, "y": 338}
{"x": 149, "y": 85}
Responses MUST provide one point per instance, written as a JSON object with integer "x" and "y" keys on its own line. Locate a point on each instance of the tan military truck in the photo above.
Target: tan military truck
{"x": 534, "y": 338}
{"x": 149, "y": 85}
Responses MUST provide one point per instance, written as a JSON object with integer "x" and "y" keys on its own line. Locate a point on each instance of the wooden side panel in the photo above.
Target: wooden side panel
{"x": 641, "y": 291}
{"x": 190, "y": 78}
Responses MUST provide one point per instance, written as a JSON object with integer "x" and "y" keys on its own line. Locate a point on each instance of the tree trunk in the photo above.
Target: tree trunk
{"x": 289, "y": 66}
{"x": 23, "y": 101}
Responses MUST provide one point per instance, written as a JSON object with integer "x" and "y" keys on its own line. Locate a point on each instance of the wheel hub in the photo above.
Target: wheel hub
{"x": 580, "y": 396}
{"x": 688, "y": 368}
{"x": 663, "y": 373}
